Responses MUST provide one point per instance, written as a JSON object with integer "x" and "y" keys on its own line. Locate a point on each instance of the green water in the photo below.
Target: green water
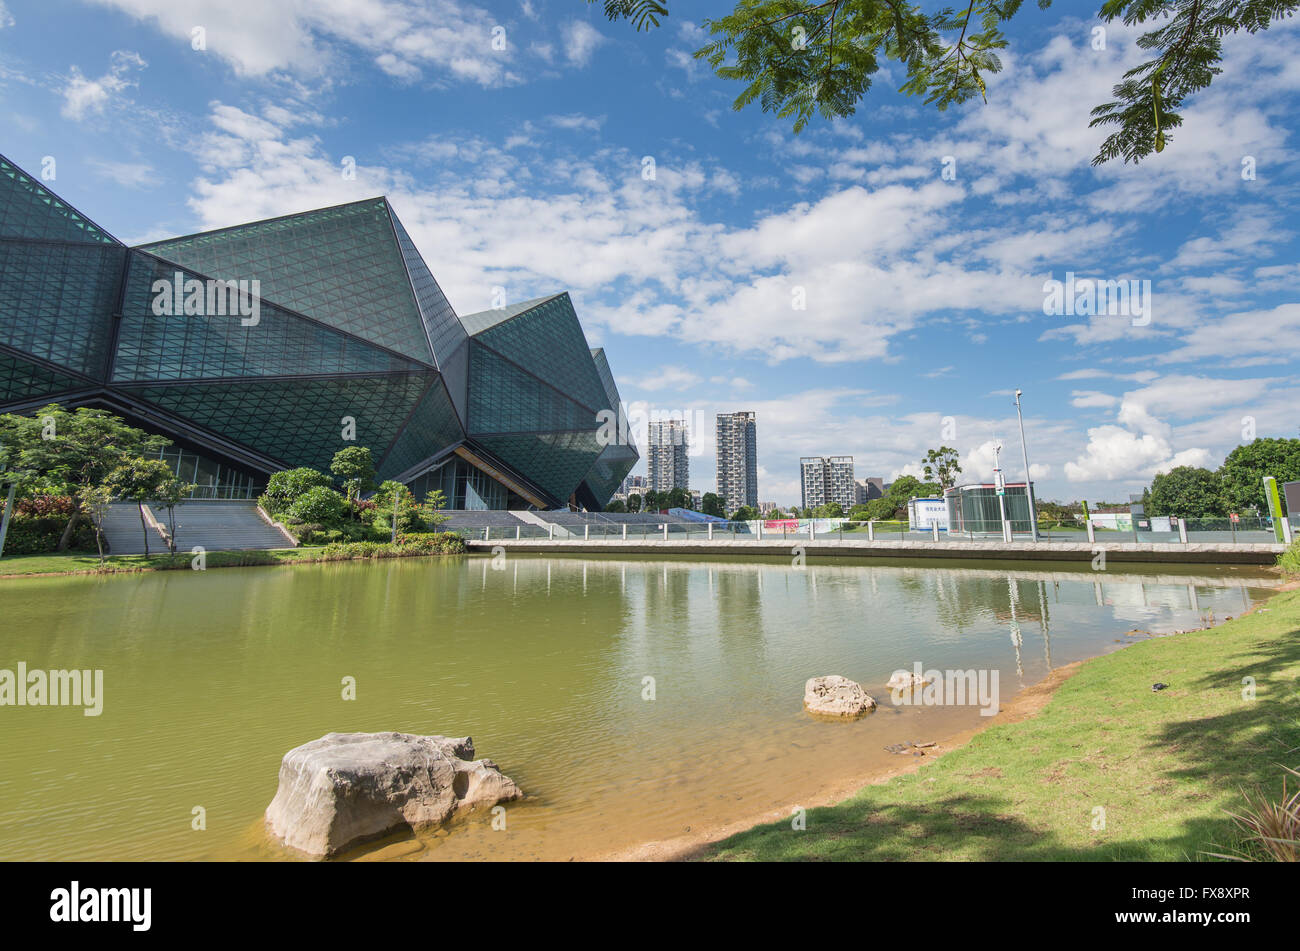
{"x": 210, "y": 677}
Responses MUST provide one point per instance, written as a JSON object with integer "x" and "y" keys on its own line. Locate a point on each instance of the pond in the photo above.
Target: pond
{"x": 633, "y": 700}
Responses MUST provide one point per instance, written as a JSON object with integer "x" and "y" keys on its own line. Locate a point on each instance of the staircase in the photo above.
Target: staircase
{"x": 221, "y": 526}
{"x": 532, "y": 518}
{"x": 122, "y": 531}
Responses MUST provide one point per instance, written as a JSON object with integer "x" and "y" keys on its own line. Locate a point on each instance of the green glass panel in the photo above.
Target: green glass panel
{"x": 432, "y": 428}
{"x": 481, "y": 321}
{"x": 548, "y": 341}
{"x": 30, "y": 210}
{"x": 554, "y": 462}
{"x": 440, "y": 321}
{"x": 175, "y": 346}
{"x": 609, "y": 471}
{"x": 57, "y": 301}
{"x": 503, "y": 398}
{"x": 340, "y": 265}
{"x": 298, "y": 422}
{"x": 21, "y": 380}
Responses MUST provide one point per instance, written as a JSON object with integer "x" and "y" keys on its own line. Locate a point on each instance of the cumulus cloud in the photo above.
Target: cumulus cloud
{"x": 1114, "y": 453}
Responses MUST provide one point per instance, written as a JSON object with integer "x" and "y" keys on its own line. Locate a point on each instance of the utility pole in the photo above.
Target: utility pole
{"x": 1029, "y": 486}
{"x": 1000, "y": 485}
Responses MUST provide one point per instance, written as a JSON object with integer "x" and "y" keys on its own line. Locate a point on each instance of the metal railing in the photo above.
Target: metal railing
{"x": 1251, "y": 530}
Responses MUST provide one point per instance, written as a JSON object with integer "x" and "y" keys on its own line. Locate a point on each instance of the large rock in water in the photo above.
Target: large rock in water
{"x": 346, "y": 788}
{"x": 836, "y": 696}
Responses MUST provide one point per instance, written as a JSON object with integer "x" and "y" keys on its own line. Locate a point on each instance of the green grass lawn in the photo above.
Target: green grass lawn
{"x": 69, "y": 563}
{"x": 25, "y": 565}
{"x": 1164, "y": 766}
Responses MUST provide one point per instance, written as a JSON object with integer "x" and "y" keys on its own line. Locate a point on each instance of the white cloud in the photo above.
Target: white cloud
{"x": 667, "y": 378}
{"x": 1114, "y": 453}
{"x": 580, "y": 42}
{"x": 126, "y": 174}
{"x": 83, "y": 97}
{"x": 404, "y": 38}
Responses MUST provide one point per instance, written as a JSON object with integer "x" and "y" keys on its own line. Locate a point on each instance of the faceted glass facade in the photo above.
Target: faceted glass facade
{"x": 335, "y": 334}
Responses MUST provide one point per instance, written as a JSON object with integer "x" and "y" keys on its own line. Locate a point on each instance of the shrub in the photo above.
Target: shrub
{"x": 285, "y": 488}
{"x": 45, "y": 506}
{"x": 319, "y": 504}
{"x": 1289, "y": 560}
{"x": 39, "y": 536}
{"x": 431, "y": 543}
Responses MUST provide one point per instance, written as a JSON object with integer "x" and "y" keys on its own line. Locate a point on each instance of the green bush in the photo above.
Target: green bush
{"x": 40, "y": 536}
{"x": 1289, "y": 560}
{"x": 319, "y": 504}
{"x": 431, "y": 543}
{"x": 285, "y": 488}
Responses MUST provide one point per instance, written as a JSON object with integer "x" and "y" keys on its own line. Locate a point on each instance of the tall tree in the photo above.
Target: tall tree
{"x": 1244, "y": 469}
{"x": 801, "y": 58}
{"x": 75, "y": 450}
{"x": 711, "y": 504}
{"x": 942, "y": 465}
{"x": 1186, "y": 492}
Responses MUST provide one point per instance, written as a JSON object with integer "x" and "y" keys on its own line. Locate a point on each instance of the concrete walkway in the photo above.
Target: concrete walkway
{"x": 1212, "y": 553}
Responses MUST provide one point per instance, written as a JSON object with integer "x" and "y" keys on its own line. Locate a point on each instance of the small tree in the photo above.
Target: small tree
{"x": 616, "y": 506}
{"x": 634, "y": 502}
{"x": 434, "y": 503}
{"x": 96, "y": 501}
{"x": 143, "y": 481}
{"x": 355, "y": 468}
{"x": 651, "y": 501}
{"x": 745, "y": 513}
{"x": 169, "y": 493}
{"x": 677, "y": 498}
{"x": 711, "y": 504}
{"x": 408, "y": 512}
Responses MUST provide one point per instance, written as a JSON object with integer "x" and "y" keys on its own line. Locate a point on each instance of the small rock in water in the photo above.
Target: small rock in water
{"x": 1155, "y": 687}
{"x": 902, "y": 680}
{"x": 836, "y": 696}
{"x": 908, "y": 748}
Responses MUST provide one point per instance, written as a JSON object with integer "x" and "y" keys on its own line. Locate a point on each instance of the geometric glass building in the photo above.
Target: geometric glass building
{"x": 274, "y": 344}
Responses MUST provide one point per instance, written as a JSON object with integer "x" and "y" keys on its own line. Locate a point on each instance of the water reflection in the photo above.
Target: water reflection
{"x": 212, "y": 676}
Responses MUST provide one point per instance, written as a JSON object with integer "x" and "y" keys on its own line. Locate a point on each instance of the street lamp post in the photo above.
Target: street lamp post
{"x": 1000, "y": 485}
{"x": 1029, "y": 485}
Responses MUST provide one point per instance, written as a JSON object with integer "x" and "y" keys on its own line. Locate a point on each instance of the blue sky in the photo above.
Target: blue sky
{"x": 523, "y": 168}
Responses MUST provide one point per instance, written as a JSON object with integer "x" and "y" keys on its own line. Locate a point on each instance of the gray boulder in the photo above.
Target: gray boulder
{"x": 347, "y": 788}
{"x": 836, "y": 696}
